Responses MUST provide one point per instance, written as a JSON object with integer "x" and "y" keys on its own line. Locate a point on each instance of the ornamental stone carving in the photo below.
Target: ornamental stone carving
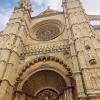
{"x": 51, "y": 47}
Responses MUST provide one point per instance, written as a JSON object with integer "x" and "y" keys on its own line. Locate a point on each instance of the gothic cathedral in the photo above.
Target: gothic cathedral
{"x": 53, "y": 56}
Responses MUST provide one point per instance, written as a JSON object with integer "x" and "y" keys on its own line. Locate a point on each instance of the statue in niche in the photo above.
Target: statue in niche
{"x": 91, "y": 57}
{"x": 92, "y": 60}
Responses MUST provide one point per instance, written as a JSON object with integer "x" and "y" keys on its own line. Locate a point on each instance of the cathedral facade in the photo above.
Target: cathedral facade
{"x": 52, "y": 56}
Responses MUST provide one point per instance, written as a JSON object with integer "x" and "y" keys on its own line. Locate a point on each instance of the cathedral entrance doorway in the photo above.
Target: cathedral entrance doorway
{"x": 46, "y": 85}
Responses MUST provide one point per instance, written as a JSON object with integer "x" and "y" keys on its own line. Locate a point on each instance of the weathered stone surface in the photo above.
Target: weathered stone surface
{"x": 64, "y": 64}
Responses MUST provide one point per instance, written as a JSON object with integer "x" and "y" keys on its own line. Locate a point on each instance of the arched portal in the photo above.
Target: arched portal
{"x": 47, "y": 79}
{"x": 44, "y": 80}
{"x": 46, "y": 85}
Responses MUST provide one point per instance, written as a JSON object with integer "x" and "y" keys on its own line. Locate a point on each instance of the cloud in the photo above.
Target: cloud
{"x": 56, "y": 5}
{"x": 6, "y": 7}
{"x": 92, "y": 7}
{"x": 4, "y": 16}
{"x": 38, "y": 2}
{"x": 41, "y": 5}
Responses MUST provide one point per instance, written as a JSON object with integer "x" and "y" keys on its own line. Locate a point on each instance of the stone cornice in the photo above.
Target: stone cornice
{"x": 93, "y": 17}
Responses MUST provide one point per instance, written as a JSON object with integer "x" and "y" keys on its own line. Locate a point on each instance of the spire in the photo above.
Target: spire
{"x": 26, "y": 4}
{"x": 49, "y": 8}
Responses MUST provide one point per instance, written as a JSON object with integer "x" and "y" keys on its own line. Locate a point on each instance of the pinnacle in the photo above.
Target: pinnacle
{"x": 49, "y": 7}
{"x": 26, "y": 4}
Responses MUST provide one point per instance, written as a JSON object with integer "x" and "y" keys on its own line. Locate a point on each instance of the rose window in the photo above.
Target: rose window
{"x": 47, "y": 30}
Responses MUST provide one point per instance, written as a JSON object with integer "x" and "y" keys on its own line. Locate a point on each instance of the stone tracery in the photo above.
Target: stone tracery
{"x": 47, "y": 30}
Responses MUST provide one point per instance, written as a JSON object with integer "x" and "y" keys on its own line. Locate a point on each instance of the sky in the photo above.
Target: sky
{"x": 92, "y": 7}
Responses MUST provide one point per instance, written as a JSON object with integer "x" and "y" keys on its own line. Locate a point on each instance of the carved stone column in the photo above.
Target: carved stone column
{"x": 23, "y": 97}
{"x": 65, "y": 95}
{"x": 68, "y": 92}
{"x": 61, "y": 96}
{"x": 18, "y": 96}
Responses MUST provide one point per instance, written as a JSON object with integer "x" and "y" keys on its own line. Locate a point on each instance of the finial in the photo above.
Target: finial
{"x": 26, "y": 4}
{"x": 49, "y": 7}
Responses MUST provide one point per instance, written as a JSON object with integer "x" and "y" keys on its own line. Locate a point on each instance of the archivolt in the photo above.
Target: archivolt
{"x": 42, "y": 59}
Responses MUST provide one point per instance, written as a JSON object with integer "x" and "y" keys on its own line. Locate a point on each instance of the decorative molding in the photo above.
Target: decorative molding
{"x": 44, "y": 48}
{"x": 41, "y": 59}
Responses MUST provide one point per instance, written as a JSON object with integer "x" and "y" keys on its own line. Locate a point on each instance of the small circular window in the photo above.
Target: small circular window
{"x": 47, "y": 30}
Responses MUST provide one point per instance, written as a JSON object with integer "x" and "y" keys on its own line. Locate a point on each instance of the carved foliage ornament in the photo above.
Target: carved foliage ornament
{"x": 47, "y": 30}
